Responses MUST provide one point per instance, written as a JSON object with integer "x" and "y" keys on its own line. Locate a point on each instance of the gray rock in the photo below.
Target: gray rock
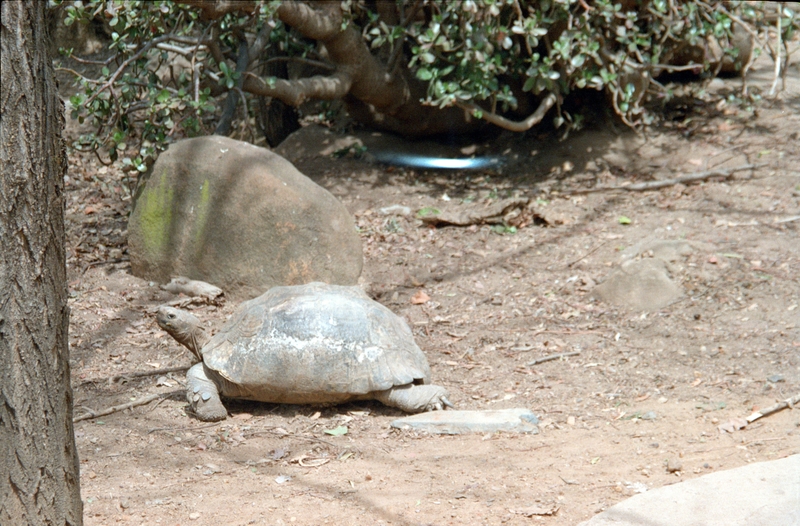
{"x": 763, "y": 493}
{"x": 642, "y": 284}
{"x": 240, "y": 217}
{"x": 519, "y": 420}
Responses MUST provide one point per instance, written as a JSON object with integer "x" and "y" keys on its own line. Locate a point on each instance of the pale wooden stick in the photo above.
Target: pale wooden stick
{"x": 789, "y": 402}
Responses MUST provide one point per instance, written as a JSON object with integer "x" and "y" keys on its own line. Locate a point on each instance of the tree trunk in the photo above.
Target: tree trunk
{"x": 38, "y": 460}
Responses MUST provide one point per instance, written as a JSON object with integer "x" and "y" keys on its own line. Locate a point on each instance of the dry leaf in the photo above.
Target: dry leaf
{"x": 732, "y": 425}
{"x": 420, "y": 297}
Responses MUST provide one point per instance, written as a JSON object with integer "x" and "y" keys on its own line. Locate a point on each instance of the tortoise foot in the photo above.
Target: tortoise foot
{"x": 415, "y": 398}
{"x": 210, "y": 410}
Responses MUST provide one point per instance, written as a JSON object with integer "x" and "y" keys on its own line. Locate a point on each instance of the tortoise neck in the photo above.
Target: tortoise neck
{"x": 196, "y": 339}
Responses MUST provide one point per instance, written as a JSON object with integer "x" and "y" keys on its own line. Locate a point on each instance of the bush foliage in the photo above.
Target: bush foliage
{"x": 170, "y": 64}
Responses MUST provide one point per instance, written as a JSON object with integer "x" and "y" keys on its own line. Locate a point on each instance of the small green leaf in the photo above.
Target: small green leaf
{"x": 337, "y": 431}
{"x": 623, "y": 220}
{"x": 428, "y": 211}
{"x": 424, "y": 74}
{"x": 529, "y": 83}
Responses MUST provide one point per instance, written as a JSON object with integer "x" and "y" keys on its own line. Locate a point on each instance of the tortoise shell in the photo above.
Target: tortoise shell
{"x": 315, "y": 343}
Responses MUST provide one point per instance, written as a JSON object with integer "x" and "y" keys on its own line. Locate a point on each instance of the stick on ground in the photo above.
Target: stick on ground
{"x": 553, "y": 357}
{"x": 122, "y": 407}
{"x": 654, "y": 185}
{"x": 137, "y": 374}
{"x": 789, "y": 402}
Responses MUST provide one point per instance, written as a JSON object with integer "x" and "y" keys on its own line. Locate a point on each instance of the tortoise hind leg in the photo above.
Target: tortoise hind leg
{"x": 203, "y": 395}
{"x": 415, "y": 398}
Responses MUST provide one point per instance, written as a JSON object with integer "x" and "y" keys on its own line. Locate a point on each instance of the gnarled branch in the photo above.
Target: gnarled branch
{"x": 516, "y": 126}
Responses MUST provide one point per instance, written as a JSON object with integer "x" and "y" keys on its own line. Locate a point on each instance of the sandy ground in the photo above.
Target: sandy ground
{"x": 638, "y": 408}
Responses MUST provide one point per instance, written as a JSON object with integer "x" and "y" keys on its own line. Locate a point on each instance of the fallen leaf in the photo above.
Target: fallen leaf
{"x": 623, "y": 220}
{"x": 420, "y": 297}
{"x": 732, "y": 425}
{"x": 336, "y": 431}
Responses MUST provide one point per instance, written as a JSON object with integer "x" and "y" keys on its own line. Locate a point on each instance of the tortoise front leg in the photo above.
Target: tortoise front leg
{"x": 203, "y": 395}
{"x": 415, "y": 398}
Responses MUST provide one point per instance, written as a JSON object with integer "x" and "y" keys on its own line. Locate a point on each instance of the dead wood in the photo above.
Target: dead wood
{"x": 551, "y": 357}
{"x": 192, "y": 287}
{"x": 136, "y": 374}
{"x": 655, "y": 185}
{"x": 789, "y": 402}
{"x": 122, "y": 407}
{"x": 473, "y": 214}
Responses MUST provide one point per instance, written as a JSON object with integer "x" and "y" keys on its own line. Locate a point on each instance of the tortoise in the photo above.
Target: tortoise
{"x": 306, "y": 344}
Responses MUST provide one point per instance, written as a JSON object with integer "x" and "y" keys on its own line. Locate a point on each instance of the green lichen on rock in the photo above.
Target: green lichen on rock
{"x": 202, "y": 215}
{"x": 155, "y": 215}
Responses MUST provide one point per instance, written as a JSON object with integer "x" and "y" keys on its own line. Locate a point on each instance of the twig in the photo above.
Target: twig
{"x": 789, "y": 402}
{"x": 182, "y": 428}
{"x": 595, "y": 249}
{"x": 654, "y": 185}
{"x": 104, "y": 262}
{"x": 551, "y": 357}
{"x": 137, "y": 374}
{"x": 788, "y": 219}
{"x": 122, "y": 407}
{"x": 126, "y": 63}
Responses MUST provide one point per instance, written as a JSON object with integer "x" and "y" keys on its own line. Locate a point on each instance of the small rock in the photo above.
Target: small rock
{"x": 650, "y": 415}
{"x": 642, "y": 285}
{"x": 518, "y": 420}
{"x": 674, "y": 465}
{"x": 194, "y": 516}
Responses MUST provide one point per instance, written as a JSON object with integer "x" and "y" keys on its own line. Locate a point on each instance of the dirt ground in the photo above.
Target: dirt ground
{"x": 638, "y": 408}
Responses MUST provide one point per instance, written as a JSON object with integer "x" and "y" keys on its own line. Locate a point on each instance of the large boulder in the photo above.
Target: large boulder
{"x": 240, "y": 217}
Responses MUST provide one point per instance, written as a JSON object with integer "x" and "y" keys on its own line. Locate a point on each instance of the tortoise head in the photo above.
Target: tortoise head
{"x": 184, "y": 327}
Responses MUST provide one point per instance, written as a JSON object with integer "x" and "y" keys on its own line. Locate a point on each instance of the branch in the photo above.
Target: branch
{"x": 515, "y": 126}
{"x": 137, "y": 374}
{"x": 310, "y": 22}
{"x": 122, "y": 407}
{"x": 216, "y": 9}
{"x": 127, "y": 63}
{"x": 654, "y": 185}
{"x": 225, "y": 120}
{"x": 295, "y": 92}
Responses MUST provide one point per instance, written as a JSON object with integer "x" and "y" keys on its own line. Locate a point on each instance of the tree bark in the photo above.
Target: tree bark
{"x": 39, "y": 472}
